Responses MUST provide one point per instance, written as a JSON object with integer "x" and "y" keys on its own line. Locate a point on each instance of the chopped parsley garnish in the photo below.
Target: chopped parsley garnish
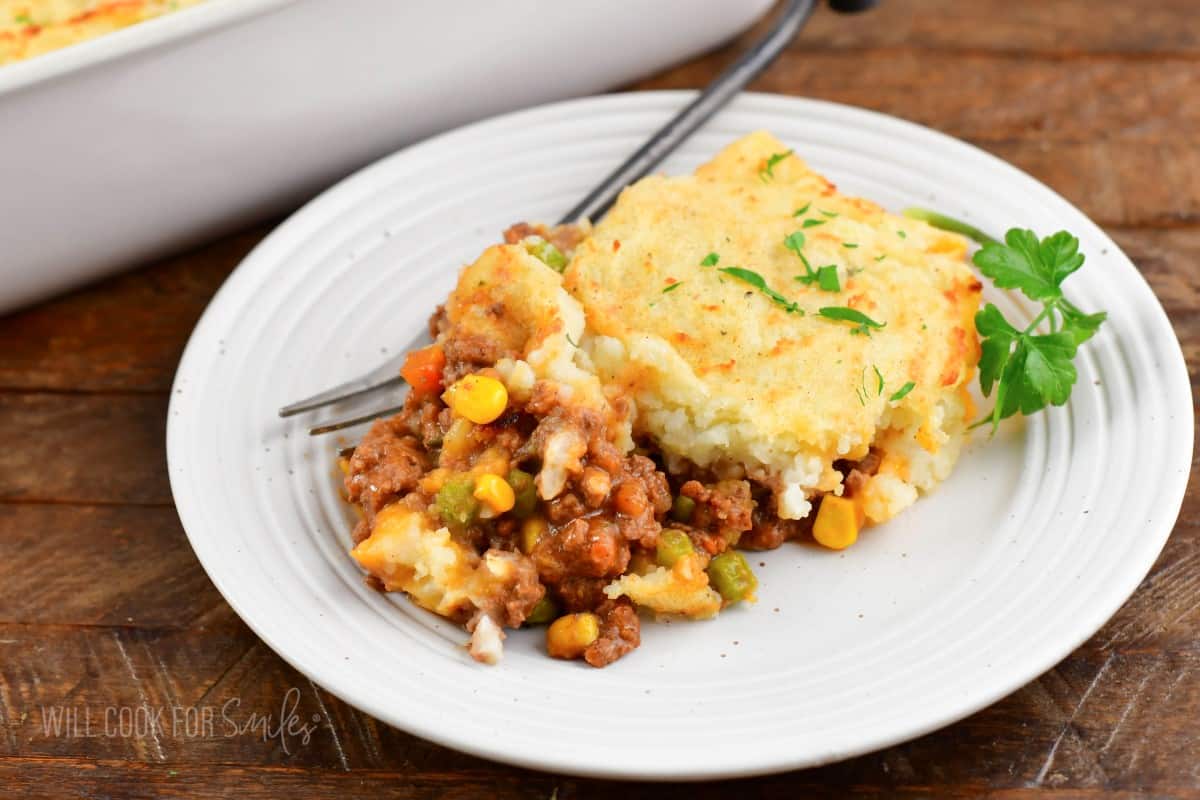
{"x": 825, "y": 277}
{"x": 23, "y": 19}
{"x": 849, "y": 245}
{"x": 672, "y": 287}
{"x": 830, "y": 214}
{"x": 767, "y": 173}
{"x": 710, "y": 260}
{"x": 881, "y": 257}
{"x": 571, "y": 341}
{"x": 903, "y": 391}
{"x": 812, "y": 223}
{"x": 879, "y": 379}
{"x": 902, "y": 234}
{"x": 758, "y": 282}
{"x": 862, "y": 323}
{"x": 795, "y": 243}
{"x": 800, "y": 212}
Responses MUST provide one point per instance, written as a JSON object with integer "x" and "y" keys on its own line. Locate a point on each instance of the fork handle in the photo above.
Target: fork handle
{"x": 714, "y": 97}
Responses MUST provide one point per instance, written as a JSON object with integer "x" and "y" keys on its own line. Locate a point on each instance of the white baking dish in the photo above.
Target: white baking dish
{"x": 142, "y": 141}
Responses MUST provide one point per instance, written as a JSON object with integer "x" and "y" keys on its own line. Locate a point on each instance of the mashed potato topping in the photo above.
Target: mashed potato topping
{"x": 724, "y": 376}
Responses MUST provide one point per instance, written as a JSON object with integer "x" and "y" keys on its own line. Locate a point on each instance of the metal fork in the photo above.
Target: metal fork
{"x": 712, "y": 99}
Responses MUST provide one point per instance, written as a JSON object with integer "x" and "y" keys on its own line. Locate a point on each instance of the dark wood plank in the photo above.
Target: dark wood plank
{"x": 102, "y": 565}
{"x": 83, "y": 448}
{"x": 108, "y": 778}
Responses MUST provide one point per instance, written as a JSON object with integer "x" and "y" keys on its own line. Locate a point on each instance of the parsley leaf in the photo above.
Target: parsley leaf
{"x": 672, "y": 287}
{"x": 902, "y": 392}
{"x": 830, "y": 214}
{"x": 23, "y": 19}
{"x": 800, "y": 212}
{"x": 849, "y": 245}
{"x": 827, "y": 278}
{"x": 767, "y": 173}
{"x": 879, "y": 378}
{"x": 1035, "y": 268}
{"x": 862, "y": 323}
{"x": 812, "y": 223}
{"x": 710, "y": 260}
{"x": 795, "y": 243}
{"x": 760, "y": 283}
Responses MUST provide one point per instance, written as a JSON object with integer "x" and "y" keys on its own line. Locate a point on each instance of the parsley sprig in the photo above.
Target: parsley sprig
{"x": 1027, "y": 369}
{"x": 767, "y": 173}
{"x": 1031, "y": 370}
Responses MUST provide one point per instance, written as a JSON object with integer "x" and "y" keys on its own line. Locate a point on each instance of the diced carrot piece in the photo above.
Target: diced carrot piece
{"x": 423, "y": 369}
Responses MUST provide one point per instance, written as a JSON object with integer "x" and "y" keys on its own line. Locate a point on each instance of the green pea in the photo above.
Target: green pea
{"x": 682, "y": 509}
{"x": 524, "y": 491}
{"x": 732, "y": 577}
{"x": 456, "y": 503}
{"x": 545, "y": 611}
{"x": 672, "y": 546}
{"x": 548, "y": 254}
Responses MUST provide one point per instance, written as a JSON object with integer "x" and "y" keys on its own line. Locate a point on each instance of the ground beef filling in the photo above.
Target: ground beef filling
{"x": 582, "y": 529}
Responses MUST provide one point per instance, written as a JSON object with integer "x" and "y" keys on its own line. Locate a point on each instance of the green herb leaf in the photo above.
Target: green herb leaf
{"x": 863, "y": 324}
{"x": 902, "y": 234}
{"x": 812, "y": 223}
{"x": 902, "y": 392}
{"x": 827, "y": 278}
{"x": 23, "y": 19}
{"x": 767, "y": 173}
{"x": 997, "y": 339}
{"x": 795, "y": 243}
{"x": 830, "y": 214}
{"x": 849, "y": 245}
{"x": 881, "y": 257}
{"x": 710, "y": 260}
{"x": 800, "y": 212}
{"x": 672, "y": 287}
{"x": 879, "y": 378}
{"x": 758, "y": 282}
{"x": 1036, "y": 268}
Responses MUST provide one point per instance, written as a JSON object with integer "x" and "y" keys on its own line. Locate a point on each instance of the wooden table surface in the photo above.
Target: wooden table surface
{"x": 104, "y": 609}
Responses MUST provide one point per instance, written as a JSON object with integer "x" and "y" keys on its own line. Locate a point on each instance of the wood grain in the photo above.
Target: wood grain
{"x": 103, "y": 605}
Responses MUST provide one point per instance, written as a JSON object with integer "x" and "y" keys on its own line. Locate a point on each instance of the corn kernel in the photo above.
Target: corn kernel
{"x": 532, "y": 530}
{"x": 478, "y": 398}
{"x": 495, "y": 493}
{"x": 569, "y": 636}
{"x": 837, "y": 522}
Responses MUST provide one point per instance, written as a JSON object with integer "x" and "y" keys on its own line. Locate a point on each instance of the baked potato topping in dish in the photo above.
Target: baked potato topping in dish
{"x": 30, "y": 28}
{"x": 608, "y": 416}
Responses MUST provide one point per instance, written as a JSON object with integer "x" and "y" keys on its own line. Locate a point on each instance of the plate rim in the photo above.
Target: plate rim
{"x": 327, "y": 200}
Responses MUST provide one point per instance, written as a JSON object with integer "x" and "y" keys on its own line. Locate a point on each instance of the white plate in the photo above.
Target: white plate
{"x": 1034, "y": 542}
